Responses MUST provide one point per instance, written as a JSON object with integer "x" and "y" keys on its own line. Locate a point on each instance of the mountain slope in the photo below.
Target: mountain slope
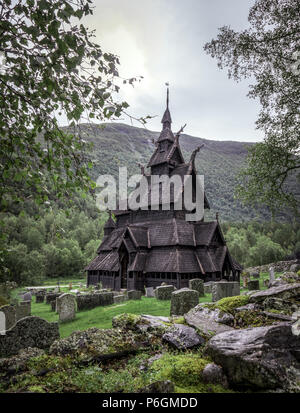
{"x": 117, "y": 144}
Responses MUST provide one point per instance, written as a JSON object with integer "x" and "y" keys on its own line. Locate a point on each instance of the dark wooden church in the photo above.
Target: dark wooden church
{"x": 144, "y": 248}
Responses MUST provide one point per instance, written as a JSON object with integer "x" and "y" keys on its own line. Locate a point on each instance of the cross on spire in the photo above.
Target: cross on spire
{"x": 166, "y": 119}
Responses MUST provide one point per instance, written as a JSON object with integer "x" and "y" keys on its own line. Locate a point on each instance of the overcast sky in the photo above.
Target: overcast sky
{"x": 163, "y": 41}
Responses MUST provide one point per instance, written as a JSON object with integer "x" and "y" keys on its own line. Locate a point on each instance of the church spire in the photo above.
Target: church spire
{"x": 166, "y": 119}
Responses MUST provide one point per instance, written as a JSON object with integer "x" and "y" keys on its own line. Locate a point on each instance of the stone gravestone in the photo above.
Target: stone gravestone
{"x": 198, "y": 285}
{"x": 221, "y": 289}
{"x": 51, "y": 296}
{"x": 134, "y": 295}
{"x": 149, "y": 292}
{"x": 272, "y": 276}
{"x": 253, "y": 285}
{"x": 207, "y": 287}
{"x": 183, "y": 300}
{"x": 23, "y": 310}
{"x": 27, "y": 296}
{"x": 119, "y": 299}
{"x": 28, "y": 332}
{"x": 9, "y": 312}
{"x": 39, "y": 297}
{"x": 164, "y": 292}
{"x": 66, "y": 307}
{"x": 255, "y": 274}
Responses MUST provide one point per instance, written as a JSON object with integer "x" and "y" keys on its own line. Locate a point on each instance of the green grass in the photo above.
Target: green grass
{"x": 101, "y": 317}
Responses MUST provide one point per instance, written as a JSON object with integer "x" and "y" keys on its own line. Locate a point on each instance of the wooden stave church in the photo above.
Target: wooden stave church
{"x": 145, "y": 248}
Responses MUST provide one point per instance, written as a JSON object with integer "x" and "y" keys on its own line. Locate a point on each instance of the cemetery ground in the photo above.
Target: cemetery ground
{"x": 101, "y": 317}
{"x": 228, "y": 346}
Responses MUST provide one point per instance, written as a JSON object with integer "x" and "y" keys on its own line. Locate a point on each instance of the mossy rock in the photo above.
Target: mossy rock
{"x": 126, "y": 320}
{"x": 229, "y": 304}
{"x": 185, "y": 371}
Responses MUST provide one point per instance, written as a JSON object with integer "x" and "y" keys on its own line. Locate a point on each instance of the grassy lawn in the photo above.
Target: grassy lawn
{"x": 101, "y": 317}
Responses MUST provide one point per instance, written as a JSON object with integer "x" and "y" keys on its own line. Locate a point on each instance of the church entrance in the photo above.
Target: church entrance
{"x": 123, "y": 267}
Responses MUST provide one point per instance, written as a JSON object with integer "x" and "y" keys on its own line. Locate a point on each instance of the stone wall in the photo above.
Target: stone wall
{"x": 89, "y": 301}
{"x": 279, "y": 266}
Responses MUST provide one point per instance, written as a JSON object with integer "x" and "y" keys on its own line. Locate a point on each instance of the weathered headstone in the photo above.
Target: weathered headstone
{"x": 105, "y": 298}
{"x": 253, "y": 285}
{"x": 255, "y": 274}
{"x": 207, "y": 287}
{"x": 27, "y": 296}
{"x": 28, "y": 332}
{"x": 223, "y": 289}
{"x": 53, "y": 305}
{"x": 198, "y": 285}
{"x": 134, "y": 295}
{"x": 9, "y": 312}
{"x": 149, "y": 292}
{"x": 51, "y": 296}
{"x": 119, "y": 299}
{"x": 272, "y": 275}
{"x": 164, "y": 292}
{"x": 39, "y": 297}
{"x": 66, "y": 307}
{"x": 23, "y": 310}
{"x": 183, "y": 300}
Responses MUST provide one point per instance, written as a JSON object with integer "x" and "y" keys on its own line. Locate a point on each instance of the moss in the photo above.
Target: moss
{"x": 229, "y": 304}
{"x": 179, "y": 320}
{"x": 244, "y": 319}
{"x": 182, "y": 370}
{"x": 126, "y": 320}
{"x": 185, "y": 371}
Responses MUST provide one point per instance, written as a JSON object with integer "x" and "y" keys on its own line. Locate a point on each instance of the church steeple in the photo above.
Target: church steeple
{"x": 166, "y": 119}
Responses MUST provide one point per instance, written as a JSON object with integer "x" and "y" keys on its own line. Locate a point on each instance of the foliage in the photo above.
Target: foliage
{"x": 254, "y": 243}
{"x": 56, "y": 243}
{"x": 3, "y": 301}
{"x": 52, "y": 69}
{"x": 268, "y": 52}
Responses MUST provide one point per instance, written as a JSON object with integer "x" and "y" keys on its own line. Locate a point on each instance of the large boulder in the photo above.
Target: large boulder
{"x": 28, "y": 332}
{"x": 284, "y": 292}
{"x": 183, "y": 300}
{"x": 182, "y": 337}
{"x": 206, "y": 320}
{"x": 212, "y": 373}
{"x": 262, "y": 357}
{"x": 97, "y": 344}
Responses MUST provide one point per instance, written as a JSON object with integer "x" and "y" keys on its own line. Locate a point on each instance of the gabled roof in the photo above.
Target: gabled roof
{"x": 204, "y": 232}
{"x": 108, "y": 261}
